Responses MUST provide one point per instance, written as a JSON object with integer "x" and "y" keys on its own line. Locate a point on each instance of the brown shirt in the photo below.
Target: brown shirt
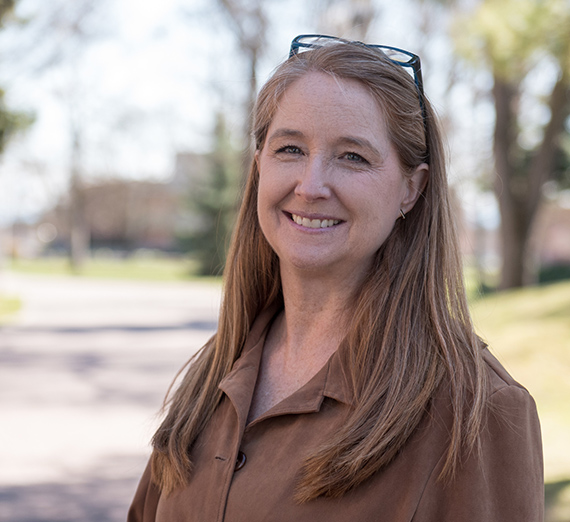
{"x": 247, "y": 472}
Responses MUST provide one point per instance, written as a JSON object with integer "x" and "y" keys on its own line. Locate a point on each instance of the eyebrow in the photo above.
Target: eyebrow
{"x": 284, "y": 133}
{"x": 358, "y": 142}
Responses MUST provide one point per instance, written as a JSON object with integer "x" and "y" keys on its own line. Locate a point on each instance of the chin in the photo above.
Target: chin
{"x": 304, "y": 263}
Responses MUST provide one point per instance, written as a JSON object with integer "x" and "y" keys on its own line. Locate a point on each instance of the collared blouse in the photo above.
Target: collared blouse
{"x": 248, "y": 472}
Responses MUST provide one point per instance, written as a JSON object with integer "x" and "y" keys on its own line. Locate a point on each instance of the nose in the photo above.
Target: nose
{"x": 314, "y": 181}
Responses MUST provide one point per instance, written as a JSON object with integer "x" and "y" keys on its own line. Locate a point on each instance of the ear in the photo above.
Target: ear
{"x": 415, "y": 186}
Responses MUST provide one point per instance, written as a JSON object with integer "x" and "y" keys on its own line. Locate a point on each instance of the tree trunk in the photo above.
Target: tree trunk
{"x": 79, "y": 230}
{"x": 518, "y": 182}
{"x": 511, "y": 232}
{"x": 514, "y": 233}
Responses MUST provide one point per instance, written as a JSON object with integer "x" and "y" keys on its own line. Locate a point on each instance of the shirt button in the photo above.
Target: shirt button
{"x": 240, "y": 461}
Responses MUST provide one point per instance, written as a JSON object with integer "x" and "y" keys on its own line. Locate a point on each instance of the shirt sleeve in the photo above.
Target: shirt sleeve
{"x": 504, "y": 482}
{"x": 145, "y": 501}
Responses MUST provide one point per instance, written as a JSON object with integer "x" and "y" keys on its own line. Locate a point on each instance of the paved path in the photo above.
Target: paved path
{"x": 83, "y": 371}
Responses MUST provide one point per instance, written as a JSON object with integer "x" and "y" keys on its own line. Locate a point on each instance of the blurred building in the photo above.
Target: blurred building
{"x": 121, "y": 215}
{"x": 552, "y": 233}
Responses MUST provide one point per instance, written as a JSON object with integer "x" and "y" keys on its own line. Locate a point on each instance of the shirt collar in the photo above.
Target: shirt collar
{"x": 331, "y": 381}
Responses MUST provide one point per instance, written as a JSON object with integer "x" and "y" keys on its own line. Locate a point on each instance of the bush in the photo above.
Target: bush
{"x": 552, "y": 273}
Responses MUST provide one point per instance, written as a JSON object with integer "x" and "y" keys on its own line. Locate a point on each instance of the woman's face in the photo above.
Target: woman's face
{"x": 331, "y": 186}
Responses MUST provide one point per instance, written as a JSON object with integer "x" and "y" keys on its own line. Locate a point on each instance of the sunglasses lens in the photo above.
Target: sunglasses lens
{"x": 306, "y": 43}
{"x": 395, "y": 55}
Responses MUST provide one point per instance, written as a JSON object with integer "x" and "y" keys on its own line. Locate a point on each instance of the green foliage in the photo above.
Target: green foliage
{"x": 562, "y": 163}
{"x": 11, "y": 122}
{"x": 512, "y": 36}
{"x": 557, "y": 497}
{"x": 553, "y": 273}
{"x": 213, "y": 202}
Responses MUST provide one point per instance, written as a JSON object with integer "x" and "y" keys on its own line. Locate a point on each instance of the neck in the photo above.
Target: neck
{"x": 316, "y": 314}
{"x": 302, "y": 338}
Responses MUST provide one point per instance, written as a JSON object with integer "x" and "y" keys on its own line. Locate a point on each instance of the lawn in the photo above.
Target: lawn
{"x": 529, "y": 331}
{"x": 144, "y": 268}
{"x": 8, "y": 307}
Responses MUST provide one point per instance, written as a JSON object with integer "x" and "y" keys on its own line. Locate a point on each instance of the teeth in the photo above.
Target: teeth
{"x": 314, "y": 223}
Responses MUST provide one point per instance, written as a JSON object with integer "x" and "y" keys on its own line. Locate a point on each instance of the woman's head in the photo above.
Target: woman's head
{"x": 416, "y": 140}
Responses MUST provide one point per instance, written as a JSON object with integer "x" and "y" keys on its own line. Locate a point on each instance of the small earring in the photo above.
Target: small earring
{"x": 402, "y": 214}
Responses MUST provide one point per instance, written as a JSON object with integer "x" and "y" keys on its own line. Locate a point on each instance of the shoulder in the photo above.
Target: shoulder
{"x": 499, "y": 378}
{"x": 511, "y": 421}
{"x": 510, "y": 427}
{"x": 504, "y": 392}
{"x": 502, "y": 478}
{"x": 144, "y": 505}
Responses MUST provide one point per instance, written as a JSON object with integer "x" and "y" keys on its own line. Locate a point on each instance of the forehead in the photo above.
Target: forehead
{"x": 322, "y": 103}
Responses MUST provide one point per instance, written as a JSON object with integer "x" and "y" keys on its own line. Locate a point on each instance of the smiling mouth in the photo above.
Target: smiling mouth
{"x": 314, "y": 223}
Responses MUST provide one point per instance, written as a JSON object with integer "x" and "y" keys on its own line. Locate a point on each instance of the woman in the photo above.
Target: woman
{"x": 345, "y": 381}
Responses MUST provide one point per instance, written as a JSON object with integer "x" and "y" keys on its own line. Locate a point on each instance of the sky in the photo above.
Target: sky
{"x": 149, "y": 84}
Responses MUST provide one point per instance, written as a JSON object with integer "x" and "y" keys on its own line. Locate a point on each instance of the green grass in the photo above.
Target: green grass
{"x": 8, "y": 307}
{"x": 141, "y": 268}
{"x": 529, "y": 331}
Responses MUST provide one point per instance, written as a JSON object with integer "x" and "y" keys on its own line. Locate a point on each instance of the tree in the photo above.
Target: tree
{"x": 518, "y": 42}
{"x": 250, "y": 24}
{"x": 70, "y": 28}
{"x": 212, "y": 200}
{"x": 350, "y": 19}
{"x": 11, "y": 122}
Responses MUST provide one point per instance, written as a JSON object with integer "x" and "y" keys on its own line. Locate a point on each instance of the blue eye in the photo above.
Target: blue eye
{"x": 289, "y": 149}
{"x": 357, "y": 158}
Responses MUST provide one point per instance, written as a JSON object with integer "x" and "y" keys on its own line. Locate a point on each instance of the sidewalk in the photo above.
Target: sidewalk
{"x": 83, "y": 371}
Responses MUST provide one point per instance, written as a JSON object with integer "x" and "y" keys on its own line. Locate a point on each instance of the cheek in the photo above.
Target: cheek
{"x": 380, "y": 209}
{"x": 380, "y": 199}
{"x": 273, "y": 188}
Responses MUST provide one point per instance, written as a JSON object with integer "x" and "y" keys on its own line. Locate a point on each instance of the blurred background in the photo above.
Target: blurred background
{"x": 124, "y": 135}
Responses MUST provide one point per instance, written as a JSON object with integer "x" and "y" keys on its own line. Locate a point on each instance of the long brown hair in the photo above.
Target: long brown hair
{"x": 410, "y": 327}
